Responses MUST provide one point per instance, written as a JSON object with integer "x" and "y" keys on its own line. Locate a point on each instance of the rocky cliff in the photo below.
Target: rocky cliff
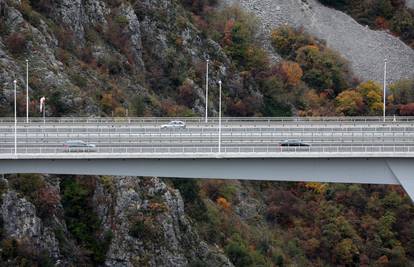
{"x": 364, "y": 48}
{"x": 139, "y": 222}
{"x": 148, "y": 58}
{"x": 104, "y": 57}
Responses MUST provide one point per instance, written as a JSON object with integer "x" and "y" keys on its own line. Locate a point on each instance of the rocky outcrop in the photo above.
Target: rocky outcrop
{"x": 364, "y": 48}
{"x": 143, "y": 218}
{"x": 42, "y": 60}
{"x": 150, "y": 227}
{"x": 130, "y": 40}
{"x": 20, "y": 222}
{"x": 80, "y": 16}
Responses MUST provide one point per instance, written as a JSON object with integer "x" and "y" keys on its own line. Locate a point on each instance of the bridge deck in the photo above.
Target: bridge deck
{"x": 353, "y": 150}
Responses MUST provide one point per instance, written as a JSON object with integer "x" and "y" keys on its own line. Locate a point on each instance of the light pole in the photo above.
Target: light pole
{"x": 385, "y": 86}
{"x": 207, "y": 92}
{"x": 27, "y": 91}
{"x": 219, "y": 144}
{"x": 15, "y": 118}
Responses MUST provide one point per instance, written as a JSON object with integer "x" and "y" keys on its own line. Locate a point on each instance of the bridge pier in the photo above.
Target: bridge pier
{"x": 404, "y": 173}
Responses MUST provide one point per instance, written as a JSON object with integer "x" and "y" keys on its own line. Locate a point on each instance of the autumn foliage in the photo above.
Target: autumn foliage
{"x": 223, "y": 202}
{"x": 350, "y": 103}
{"x": 407, "y": 110}
{"x": 292, "y": 72}
{"x": 16, "y": 43}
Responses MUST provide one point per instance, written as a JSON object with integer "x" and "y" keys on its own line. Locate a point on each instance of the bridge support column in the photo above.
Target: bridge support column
{"x": 403, "y": 170}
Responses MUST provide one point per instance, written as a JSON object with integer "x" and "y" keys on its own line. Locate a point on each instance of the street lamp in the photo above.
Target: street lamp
{"x": 15, "y": 118}
{"x": 27, "y": 91}
{"x": 219, "y": 144}
{"x": 207, "y": 92}
{"x": 385, "y": 85}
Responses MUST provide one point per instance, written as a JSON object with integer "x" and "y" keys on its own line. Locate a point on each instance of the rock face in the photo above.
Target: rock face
{"x": 364, "y": 48}
{"x": 145, "y": 218}
{"x": 152, "y": 229}
{"x": 20, "y": 222}
{"x": 92, "y": 43}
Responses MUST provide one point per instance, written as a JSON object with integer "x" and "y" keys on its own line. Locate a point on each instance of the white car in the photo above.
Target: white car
{"x": 78, "y": 146}
{"x": 173, "y": 125}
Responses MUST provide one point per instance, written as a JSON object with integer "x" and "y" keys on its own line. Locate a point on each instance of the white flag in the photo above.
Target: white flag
{"x": 42, "y": 103}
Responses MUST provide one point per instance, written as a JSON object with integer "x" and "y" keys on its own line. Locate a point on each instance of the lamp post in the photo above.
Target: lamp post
{"x": 207, "y": 92}
{"x": 27, "y": 91}
{"x": 219, "y": 144}
{"x": 15, "y": 118}
{"x": 385, "y": 86}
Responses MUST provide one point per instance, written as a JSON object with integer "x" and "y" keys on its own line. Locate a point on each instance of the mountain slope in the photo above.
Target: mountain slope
{"x": 364, "y": 48}
{"x": 90, "y": 221}
{"x": 105, "y": 57}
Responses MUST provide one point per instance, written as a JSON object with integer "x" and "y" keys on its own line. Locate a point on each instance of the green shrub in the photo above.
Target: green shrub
{"x": 122, "y": 21}
{"x": 21, "y": 253}
{"x": 138, "y": 230}
{"x": 323, "y": 69}
{"x": 35, "y": 189}
{"x": 238, "y": 253}
{"x": 27, "y": 184}
{"x": 79, "y": 80}
{"x": 33, "y": 17}
{"x": 145, "y": 228}
{"x": 57, "y": 106}
{"x": 194, "y": 205}
{"x": 44, "y": 6}
{"x": 63, "y": 55}
{"x": 287, "y": 40}
{"x": 108, "y": 183}
{"x": 3, "y": 188}
{"x": 138, "y": 105}
{"x": 66, "y": 38}
{"x": 81, "y": 219}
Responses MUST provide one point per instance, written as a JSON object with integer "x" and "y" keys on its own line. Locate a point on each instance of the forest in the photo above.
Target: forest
{"x": 102, "y": 70}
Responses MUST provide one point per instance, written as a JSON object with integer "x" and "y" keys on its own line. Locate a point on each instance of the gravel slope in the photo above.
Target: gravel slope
{"x": 364, "y": 48}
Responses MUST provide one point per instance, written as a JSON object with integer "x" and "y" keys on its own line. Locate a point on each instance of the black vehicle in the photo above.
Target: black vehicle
{"x": 293, "y": 142}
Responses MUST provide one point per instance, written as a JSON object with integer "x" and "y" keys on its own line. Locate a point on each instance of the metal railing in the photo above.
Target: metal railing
{"x": 246, "y": 128}
{"x": 130, "y": 120}
{"x": 208, "y": 150}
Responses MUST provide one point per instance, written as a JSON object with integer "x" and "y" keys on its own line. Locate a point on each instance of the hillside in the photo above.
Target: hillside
{"x": 130, "y": 221}
{"x": 148, "y": 58}
{"x": 364, "y": 48}
{"x": 105, "y": 58}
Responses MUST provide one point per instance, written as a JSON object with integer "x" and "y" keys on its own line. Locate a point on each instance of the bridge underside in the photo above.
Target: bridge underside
{"x": 332, "y": 170}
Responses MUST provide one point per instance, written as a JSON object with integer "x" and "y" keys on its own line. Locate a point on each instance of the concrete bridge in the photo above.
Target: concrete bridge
{"x": 341, "y": 151}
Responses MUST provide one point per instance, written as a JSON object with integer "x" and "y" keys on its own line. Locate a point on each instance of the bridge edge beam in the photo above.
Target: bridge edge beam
{"x": 404, "y": 173}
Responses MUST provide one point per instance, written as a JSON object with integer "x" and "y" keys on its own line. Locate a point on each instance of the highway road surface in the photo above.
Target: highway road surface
{"x": 138, "y": 134}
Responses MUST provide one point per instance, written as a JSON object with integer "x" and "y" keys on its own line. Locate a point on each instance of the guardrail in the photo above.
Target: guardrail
{"x": 70, "y": 133}
{"x": 225, "y": 128}
{"x": 201, "y": 150}
{"x": 129, "y": 120}
{"x": 22, "y": 136}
